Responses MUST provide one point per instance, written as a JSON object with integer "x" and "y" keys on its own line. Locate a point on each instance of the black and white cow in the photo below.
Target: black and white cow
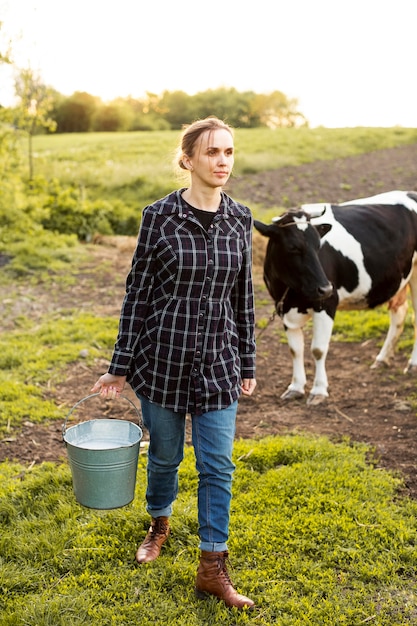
{"x": 355, "y": 255}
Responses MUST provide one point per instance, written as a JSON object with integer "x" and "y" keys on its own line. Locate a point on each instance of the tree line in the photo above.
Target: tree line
{"x": 170, "y": 110}
{"x": 42, "y": 109}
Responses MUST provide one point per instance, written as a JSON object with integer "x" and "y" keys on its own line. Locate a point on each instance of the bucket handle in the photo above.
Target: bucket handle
{"x": 64, "y": 427}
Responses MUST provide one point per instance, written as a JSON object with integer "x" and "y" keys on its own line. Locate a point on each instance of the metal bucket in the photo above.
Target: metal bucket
{"x": 103, "y": 456}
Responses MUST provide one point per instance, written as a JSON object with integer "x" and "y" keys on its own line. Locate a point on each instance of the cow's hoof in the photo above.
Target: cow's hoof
{"x": 379, "y": 365}
{"x": 315, "y": 400}
{"x": 410, "y": 368}
{"x": 291, "y": 394}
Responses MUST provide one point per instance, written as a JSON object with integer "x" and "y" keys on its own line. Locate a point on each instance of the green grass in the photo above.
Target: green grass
{"x": 122, "y": 157}
{"x": 318, "y": 537}
{"x": 265, "y": 149}
{"x": 136, "y": 167}
{"x": 358, "y": 326}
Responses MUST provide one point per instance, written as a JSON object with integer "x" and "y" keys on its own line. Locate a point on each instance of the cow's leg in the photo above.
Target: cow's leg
{"x": 397, "y": 308}
{"x": 294, "y": 323}
{"x": 322, "y": 332}
{"x": 412, "y": 363}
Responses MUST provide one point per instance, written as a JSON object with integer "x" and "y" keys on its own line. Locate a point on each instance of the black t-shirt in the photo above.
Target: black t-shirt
{"x": 204, "y": 217}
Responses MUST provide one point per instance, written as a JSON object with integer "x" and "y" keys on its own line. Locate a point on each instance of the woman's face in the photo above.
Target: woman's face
{"x": 213, "y": 158}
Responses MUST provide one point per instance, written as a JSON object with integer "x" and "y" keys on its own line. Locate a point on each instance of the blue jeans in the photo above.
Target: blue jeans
{"x": 212, "y": 437}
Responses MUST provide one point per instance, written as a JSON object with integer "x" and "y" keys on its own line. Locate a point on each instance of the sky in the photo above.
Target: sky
{"x": 346, "y": 63}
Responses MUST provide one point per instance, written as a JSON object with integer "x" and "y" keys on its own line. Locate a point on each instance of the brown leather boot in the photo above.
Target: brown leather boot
{"x": 151, "y": 546}
{"x": 213, "y": 579}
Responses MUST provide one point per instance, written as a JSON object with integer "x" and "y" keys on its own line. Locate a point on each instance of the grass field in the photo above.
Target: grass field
{"x": 142, "y": 162}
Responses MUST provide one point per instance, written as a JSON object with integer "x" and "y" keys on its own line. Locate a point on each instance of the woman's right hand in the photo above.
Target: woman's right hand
{"x": 109, "y": 386}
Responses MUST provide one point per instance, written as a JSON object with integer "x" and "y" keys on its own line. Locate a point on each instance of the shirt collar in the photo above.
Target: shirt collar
{"x": 227, "y": 207}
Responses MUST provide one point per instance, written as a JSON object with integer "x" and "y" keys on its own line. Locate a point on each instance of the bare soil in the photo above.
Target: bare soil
{"x": 371, "y": 406}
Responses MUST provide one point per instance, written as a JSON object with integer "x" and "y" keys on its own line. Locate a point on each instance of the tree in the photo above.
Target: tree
{"x": 144, "y": 115}
{"x": 76, "y": 113}
{"x": 36, "y": 103}
{"x": 12, "y": 197}
{"x": 176, "y": 108}
{"x": 219, "y": 102}
{"x": 115, "y": 116}
{"x": 5, "y": 47}
{"x": 275, "y": 110}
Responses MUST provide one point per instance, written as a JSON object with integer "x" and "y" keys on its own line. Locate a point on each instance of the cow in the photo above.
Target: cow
{"x": 351, "y": 256}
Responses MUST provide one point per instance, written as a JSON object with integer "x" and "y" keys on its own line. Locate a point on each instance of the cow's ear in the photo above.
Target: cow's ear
{"x": 262, "y": 228}
{"x": 323, "y": 229}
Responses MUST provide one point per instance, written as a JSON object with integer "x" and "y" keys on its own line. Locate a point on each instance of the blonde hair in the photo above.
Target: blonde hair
{"x": 192, "y": 132}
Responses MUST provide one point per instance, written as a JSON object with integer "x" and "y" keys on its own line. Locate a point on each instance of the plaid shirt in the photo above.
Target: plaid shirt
{"x": 186, "y": 330}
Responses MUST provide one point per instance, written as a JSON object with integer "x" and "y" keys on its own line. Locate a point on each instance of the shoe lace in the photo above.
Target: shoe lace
{"x": 160, "y": 527}
{"x": 222, "y": 567}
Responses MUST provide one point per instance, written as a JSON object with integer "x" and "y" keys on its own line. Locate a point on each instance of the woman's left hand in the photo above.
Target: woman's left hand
{"x": 248, "y": 386}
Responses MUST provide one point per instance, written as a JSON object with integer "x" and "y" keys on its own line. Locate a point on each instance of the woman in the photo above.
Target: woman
{"x": 186, "y": 344}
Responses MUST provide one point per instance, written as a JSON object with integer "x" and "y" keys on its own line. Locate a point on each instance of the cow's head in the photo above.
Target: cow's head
{"x": 292, "y": 256}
